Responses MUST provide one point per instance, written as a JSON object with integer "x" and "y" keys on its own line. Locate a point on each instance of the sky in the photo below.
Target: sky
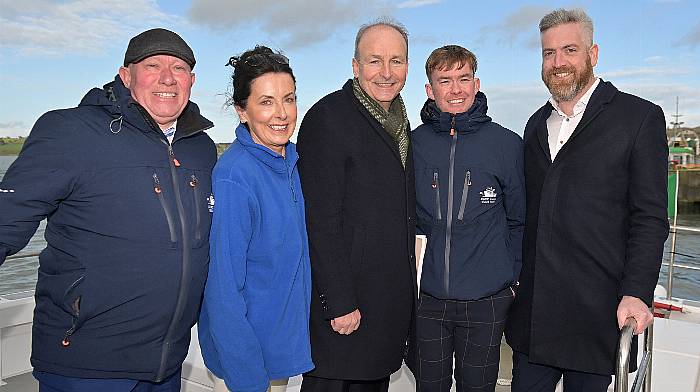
{"x": 53, "y": 52}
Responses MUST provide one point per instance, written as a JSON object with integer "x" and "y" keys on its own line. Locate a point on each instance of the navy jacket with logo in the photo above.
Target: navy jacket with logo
{"x": 121, "y": 279}
{"x": 470, "y": 202}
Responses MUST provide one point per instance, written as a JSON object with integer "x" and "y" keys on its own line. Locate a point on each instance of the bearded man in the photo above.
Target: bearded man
{"x": 595, "y": 175}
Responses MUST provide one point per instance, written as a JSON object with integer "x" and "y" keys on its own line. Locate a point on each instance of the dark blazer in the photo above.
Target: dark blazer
{"x": 360, "y": 211}
{"x": 594, "y": 230}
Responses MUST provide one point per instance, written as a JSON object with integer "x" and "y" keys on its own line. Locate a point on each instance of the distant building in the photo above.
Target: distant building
{"x": 683, "y": 147}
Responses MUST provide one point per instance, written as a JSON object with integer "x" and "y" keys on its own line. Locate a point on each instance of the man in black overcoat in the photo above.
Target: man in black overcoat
{"x": 595, "y": 175}
{"x": 356, "y": 170}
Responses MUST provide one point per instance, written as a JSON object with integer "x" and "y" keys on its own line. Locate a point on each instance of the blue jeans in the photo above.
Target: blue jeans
{"x": 49, "y": 382}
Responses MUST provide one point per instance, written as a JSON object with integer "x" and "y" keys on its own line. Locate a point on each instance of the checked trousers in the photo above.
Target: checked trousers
{"x": 468, "y": 331}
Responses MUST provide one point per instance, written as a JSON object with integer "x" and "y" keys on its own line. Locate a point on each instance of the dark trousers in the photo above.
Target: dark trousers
{"x": 531, "y": 377}
{"x": 471, "y": 331}
{"x": 318, "y": 384}
{"x": 49, "y": 382}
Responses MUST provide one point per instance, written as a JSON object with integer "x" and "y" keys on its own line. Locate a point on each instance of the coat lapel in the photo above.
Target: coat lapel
{"x": 541, "y": 129}
{"x": 603, "y": 94}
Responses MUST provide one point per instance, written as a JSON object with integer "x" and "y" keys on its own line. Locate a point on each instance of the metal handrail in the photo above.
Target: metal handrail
{"x": 622, "y": 359}
{"x": 642, "y": 381}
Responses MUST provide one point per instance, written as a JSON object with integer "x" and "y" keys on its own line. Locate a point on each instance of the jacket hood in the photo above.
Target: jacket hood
{"x": 275, "y": 161}
{"x": 468, "y": 121}
{"x": 116, "y": 99}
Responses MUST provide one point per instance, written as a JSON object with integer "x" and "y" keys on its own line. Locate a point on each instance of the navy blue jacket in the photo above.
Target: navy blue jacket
{"x": 121, "y": 279}
{"x": 470, "y": 202}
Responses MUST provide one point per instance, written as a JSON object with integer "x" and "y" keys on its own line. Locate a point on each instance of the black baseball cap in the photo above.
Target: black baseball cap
{"x": 158, "y": 41}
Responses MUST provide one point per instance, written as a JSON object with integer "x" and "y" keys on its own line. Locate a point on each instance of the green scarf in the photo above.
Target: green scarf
{"x": 394, "y": 121}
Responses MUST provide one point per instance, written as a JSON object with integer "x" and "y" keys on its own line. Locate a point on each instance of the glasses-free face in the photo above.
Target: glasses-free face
{"x": 453, "y": 89}
{"x": 161, "y": 84}
{"x": 567, "y": 61}
{"x": 382, "y": 65}
{"x": 271, "y": 110}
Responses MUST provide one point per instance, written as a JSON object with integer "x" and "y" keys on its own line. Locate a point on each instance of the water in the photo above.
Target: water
{"x": 20, "y": 275}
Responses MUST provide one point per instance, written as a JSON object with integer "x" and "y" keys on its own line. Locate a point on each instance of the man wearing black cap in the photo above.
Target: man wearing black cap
{"x": 124, "y": 183}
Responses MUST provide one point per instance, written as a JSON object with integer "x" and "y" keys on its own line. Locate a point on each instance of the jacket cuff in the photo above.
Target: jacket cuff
{"x": 338, "y": 306}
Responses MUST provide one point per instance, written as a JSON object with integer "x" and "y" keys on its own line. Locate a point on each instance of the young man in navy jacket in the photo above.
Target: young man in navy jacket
{"x": 471, "y": 206}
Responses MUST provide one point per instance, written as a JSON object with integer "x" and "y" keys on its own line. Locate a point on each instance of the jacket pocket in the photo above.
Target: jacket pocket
{"x": 194, "y": 182}
{"x": 158, "y": 189}
{"x": 465, "y": 194}
{"x": 436, "y": 187}
{"x": 480, "y": 197}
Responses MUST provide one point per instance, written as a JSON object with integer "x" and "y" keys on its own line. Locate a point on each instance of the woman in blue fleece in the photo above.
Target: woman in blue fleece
{"x": 254, "y": 324}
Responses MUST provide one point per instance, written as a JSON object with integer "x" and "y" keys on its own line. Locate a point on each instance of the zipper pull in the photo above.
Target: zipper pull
{"x": 156, "y": 184}
{"x": 193, "y": 181}
{"x": 76, "y": 313}
{"x": 66, "y": 339}
{"x": 469, "y": 177}
{"x": 172, "y": 156}
{"x": 435, "y": 180}
{"x": 452, "y": 126}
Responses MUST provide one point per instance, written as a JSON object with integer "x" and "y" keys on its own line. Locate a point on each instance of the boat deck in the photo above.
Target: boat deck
{"x": 26, "y": 382}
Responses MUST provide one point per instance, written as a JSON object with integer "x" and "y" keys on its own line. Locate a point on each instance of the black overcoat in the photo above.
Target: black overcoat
{"x": 360, "y": 211}
{"x": 594, "y": 230}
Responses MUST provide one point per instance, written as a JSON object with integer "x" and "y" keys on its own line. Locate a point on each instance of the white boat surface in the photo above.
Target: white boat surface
{"x": 675, "y": 366}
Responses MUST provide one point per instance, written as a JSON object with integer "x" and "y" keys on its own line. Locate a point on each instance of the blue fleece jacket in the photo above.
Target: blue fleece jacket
{"x": 254, "y": 324}
{"x": 470, "y": 202}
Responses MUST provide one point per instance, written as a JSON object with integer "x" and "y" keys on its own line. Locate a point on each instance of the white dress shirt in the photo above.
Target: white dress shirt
{"x": 560, "y": 126}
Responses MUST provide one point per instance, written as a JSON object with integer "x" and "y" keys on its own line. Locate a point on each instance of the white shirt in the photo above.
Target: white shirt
{"x": 170, "y": 132}
{"x": 560, "y": 126}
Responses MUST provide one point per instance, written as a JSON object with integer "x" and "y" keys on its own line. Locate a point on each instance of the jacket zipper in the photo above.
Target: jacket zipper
{"x": 75, "y": 306}
{"x": 465, "y": 194}
{"x": 450, "y": 197}
{"x": 184, "y": 277}
{"x": 168, "y": 216}
{"x": 193, "y": 184}
{"x": 436, "y": 186}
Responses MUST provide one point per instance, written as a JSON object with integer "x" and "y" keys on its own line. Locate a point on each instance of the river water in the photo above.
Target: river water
{"x": 20, "y": 274}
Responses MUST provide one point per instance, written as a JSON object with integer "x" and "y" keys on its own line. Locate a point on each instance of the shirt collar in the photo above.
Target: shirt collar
{"x": 580, "y": 104}
{"x": 170, "y": 131}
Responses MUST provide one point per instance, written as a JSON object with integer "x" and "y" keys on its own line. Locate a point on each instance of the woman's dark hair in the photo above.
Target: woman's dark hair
{"x": 251, "y": 65}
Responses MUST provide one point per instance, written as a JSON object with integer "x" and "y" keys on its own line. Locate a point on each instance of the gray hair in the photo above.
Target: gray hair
{"x": 562, "y": 16}
{"x": 382, "y": 21}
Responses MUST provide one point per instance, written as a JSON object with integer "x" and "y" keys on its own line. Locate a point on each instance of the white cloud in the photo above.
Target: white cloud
{"x": 654, "y": 59}
{"x": 664, "y": 95}
{"x": 691, "y": 39}
{"x": 417, "y": 3}
{"x": 13, "y": 128}
{"x": 291, "y": 23}
{"x": 642, "y": 72}
{"x": 519, "y": 27}
{"x": 79, "y": 26}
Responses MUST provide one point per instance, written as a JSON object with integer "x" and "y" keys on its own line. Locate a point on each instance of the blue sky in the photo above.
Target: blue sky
{"x": 53, "y": 52}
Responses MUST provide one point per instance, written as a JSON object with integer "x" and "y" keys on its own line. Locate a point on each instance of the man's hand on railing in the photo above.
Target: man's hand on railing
{"x": 637, "y": 309}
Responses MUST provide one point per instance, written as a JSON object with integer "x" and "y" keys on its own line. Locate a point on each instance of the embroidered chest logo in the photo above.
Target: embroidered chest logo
{"x": 210, "y": 203}
{"x": 488, "y": 195}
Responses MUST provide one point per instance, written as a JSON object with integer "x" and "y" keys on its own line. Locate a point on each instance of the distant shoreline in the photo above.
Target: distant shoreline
{"x": 10, "y": 146}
